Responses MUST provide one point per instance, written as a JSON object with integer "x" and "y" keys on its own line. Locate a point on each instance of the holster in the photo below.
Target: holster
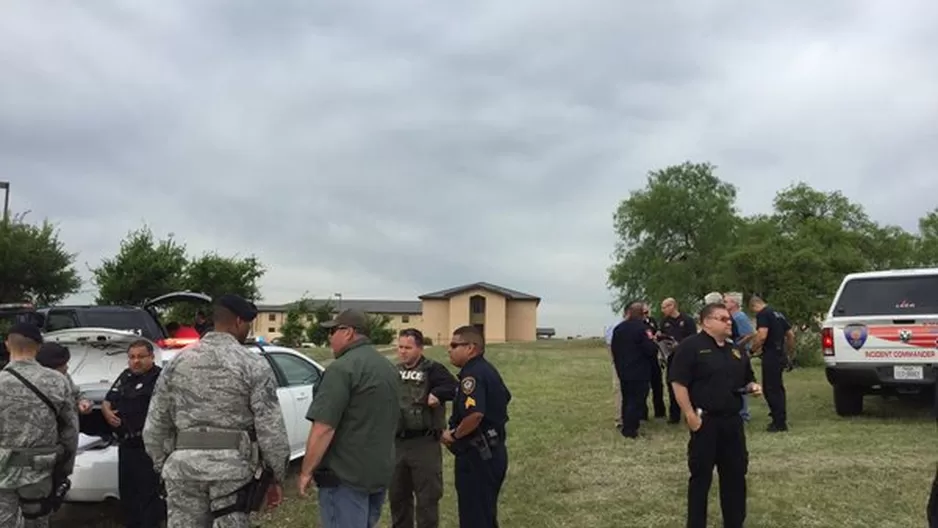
{"x": 51, "y": 503}
{"x": 326, "y": 478}
{"x": 251, "y": 496}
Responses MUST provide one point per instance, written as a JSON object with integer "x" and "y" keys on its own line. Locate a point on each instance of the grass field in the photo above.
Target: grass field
{"x": 570, "y": 468}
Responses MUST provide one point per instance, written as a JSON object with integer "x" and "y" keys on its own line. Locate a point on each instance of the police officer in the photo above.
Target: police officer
{"x": 418, "y": 471}
{"x": 776, "y": 340}
{"x": 657, "y": 386}
{"x": 633, "y": 353}
{"x": 214, "y": 406}
{"x": 709, "y": 376}
{"x": 677, "y": 326}
{"x": 38, "y": 433}
{"x": 477, "y": 430}
{"x": 125, "y": 409}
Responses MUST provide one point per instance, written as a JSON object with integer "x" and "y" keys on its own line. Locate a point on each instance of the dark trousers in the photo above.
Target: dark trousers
{"x": 634, "y": 396}
{"x": 720, "y": 442}
{"x": 417, "y": 483}
{"x": 773, "y": 366}
{"x": 478, "y": 483}
{"x": 674, "y": 410}
{"x": 139, "y": 487}
{"x": 657, "y": 391}
{"x": 932, "y": 508}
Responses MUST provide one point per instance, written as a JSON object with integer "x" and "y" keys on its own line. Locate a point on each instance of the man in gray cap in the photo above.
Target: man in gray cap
{"x": 38, "y": 433}
{"x": 214, "y": 420}
{"x": 355, "y": 415}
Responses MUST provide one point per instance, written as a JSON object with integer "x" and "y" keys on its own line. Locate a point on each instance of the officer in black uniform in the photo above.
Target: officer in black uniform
{"x": 477, "y": 430}
{"x": 677, "y": 326}
{"x": 709, "y": 377}
{"x": 657, "y": 386}
{"x": 776, "y": 340}
{"x": 125, "y": 409}
{"x": 633, "y": 353}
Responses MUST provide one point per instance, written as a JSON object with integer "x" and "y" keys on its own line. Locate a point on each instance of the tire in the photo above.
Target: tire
{"x": 848, "y": 401}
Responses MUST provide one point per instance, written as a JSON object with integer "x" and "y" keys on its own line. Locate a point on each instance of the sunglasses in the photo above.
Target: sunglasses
{"x": 454, "y": 345}
{"x": 335, "y": 329}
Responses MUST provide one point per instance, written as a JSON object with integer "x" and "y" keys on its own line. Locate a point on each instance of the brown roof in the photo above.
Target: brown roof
{"x": 513, "y": 295}
{"x": 373, "y": 306}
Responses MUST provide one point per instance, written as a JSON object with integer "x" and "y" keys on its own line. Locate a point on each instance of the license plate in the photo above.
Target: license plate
{"x": 908, "y": 373}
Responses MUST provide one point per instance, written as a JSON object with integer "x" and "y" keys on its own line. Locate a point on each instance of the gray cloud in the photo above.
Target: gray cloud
{"x": 388, "y": 149}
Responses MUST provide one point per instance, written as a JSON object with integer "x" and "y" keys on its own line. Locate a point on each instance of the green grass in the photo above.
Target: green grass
{"x": 570, "y": 468}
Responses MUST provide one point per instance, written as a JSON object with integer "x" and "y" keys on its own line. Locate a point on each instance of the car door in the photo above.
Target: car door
{"x": 298, "y": 378}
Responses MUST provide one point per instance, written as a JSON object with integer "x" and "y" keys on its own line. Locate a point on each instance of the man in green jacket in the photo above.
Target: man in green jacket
{"x": 355, "y": 415}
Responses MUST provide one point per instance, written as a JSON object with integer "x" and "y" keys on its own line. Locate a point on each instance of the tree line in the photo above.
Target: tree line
{"x": 36, "y": 267}
{"x": 682, "y": 236}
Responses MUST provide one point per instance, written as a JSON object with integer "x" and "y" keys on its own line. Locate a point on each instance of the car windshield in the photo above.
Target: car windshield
{"x": 896, "y": 296}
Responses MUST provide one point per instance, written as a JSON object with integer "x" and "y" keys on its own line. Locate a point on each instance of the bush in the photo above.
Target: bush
{"x": 808, "y": 349}
{"x": 427, "y": 342}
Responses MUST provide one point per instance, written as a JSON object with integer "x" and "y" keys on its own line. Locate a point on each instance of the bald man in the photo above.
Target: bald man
{"x": 678, "y": 326}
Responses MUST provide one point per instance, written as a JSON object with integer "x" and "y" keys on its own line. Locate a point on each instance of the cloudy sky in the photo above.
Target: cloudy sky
{"x": 386, "y": 149}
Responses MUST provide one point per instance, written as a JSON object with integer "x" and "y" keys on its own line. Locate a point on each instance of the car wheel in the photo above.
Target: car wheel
{"x": 848, "y": 401}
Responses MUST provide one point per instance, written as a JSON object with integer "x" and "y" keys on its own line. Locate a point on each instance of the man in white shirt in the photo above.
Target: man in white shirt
{"x": 615, "y": 375}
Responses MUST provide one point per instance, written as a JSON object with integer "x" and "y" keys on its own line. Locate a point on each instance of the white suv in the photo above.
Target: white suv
{"x": 880, "y": 336}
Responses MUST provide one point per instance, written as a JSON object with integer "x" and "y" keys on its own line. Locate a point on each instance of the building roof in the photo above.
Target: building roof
{"x": 509, "y": 294}
{"x": 375, "y": 306}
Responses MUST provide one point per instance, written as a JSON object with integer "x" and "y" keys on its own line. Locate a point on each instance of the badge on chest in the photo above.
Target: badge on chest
{"x": 412, "y": 375}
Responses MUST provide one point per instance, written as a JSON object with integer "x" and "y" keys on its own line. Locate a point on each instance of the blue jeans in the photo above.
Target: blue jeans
{"x": 344, "y": 507}
{"x": 744, "y": 412}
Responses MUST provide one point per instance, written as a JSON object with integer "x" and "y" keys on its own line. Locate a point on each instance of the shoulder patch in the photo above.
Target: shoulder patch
{"x": 468, "y": 385}
{"x": 736, "y": 354}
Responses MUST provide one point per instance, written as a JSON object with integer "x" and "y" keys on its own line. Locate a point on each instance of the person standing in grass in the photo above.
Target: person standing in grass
{"x": 709, "y": 376}
{"x": 615, "y": 373}
{"x": 742, "y": 335}
{"x": 355, "y": 416}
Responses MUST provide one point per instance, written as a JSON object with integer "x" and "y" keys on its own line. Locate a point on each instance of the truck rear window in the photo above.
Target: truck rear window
{"x": 889, "y": 296}
{"x": 134, "y": 320}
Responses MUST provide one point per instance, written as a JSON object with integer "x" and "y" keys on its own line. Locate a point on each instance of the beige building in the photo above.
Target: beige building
{"x": 502, "y": 314}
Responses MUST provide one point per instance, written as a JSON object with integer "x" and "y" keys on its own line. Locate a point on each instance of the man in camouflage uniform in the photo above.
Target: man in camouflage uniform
{"x": 418, "y": 473}
{"x": 38, "y": 440}
{"x": 214, "y": 406}
{"x": 56, "y": 357}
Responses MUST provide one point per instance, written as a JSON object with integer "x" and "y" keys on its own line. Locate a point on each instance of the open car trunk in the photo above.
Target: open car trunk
{"x": 98, "y": 356}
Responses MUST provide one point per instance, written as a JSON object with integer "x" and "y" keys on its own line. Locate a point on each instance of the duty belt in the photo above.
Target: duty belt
{"x": 417, "y": 433}
{"x": 24, "y": 456}
{"x": 197, "y": 439}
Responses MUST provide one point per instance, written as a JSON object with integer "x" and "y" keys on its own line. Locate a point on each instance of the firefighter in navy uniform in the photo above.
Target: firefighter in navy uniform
{"x": 477, "y": 431}
{"x": 709, "y": 376}
{"x": 417, "y": 484}
{"x": 125, "y": 408}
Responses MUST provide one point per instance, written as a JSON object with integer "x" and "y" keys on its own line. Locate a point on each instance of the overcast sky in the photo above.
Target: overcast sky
{"x": 387, "y": 149}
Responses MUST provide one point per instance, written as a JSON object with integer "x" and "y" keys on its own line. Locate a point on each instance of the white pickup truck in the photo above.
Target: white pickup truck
{"x": 880, "y": 336}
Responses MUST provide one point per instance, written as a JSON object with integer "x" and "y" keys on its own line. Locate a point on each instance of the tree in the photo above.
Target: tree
{"x": 928, "y": 239}
{"x": 294, "y": 324}
{"x": 144, "y": 268}
{"x": 319, "y": 314}
{"x": 670, "y": 233}
{"x": 34, "y": 265}
{"x": 378, "y": 329}
{"x": 215, "y": 275}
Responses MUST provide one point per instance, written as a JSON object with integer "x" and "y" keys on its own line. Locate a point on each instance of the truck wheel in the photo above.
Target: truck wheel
{"x": 848, "y": 401}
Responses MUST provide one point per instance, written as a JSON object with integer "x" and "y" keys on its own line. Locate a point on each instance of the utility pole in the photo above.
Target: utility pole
{"x": 339, "y": 297}
{"x": 6, "y": 199}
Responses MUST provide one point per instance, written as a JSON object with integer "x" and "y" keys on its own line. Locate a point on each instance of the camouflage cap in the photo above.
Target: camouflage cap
{"x": 29, "y": 331}
{"x": 350, "y": 318}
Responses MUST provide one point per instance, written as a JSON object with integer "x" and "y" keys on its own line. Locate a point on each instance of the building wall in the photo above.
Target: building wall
{"x": 436, "y": 321}
{"x": 495, "y": 308}
{"x": 268, "y": 324}
{"x": 522, "y": 321}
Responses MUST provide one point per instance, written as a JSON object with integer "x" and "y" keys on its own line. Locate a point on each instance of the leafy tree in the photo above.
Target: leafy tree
{"x": 34, "y": 265}
{"x": 294, "y": 325}
{"x": 315, "y": 333}
{"x": 215, "y": 275}
{"x": 378, "y": 329}
{"x": 670, "y": 233}
{"x": 928, "y": 239}
{"x": 144, "y": 268}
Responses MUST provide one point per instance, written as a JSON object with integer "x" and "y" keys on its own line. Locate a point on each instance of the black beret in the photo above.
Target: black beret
{"x": 53, "y": 355}
{"x": 244, "y": 309}
{"x": 29, "y": 331}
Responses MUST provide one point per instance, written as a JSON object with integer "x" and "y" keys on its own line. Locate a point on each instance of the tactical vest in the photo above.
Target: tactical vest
{"x": 416, "y": 415}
